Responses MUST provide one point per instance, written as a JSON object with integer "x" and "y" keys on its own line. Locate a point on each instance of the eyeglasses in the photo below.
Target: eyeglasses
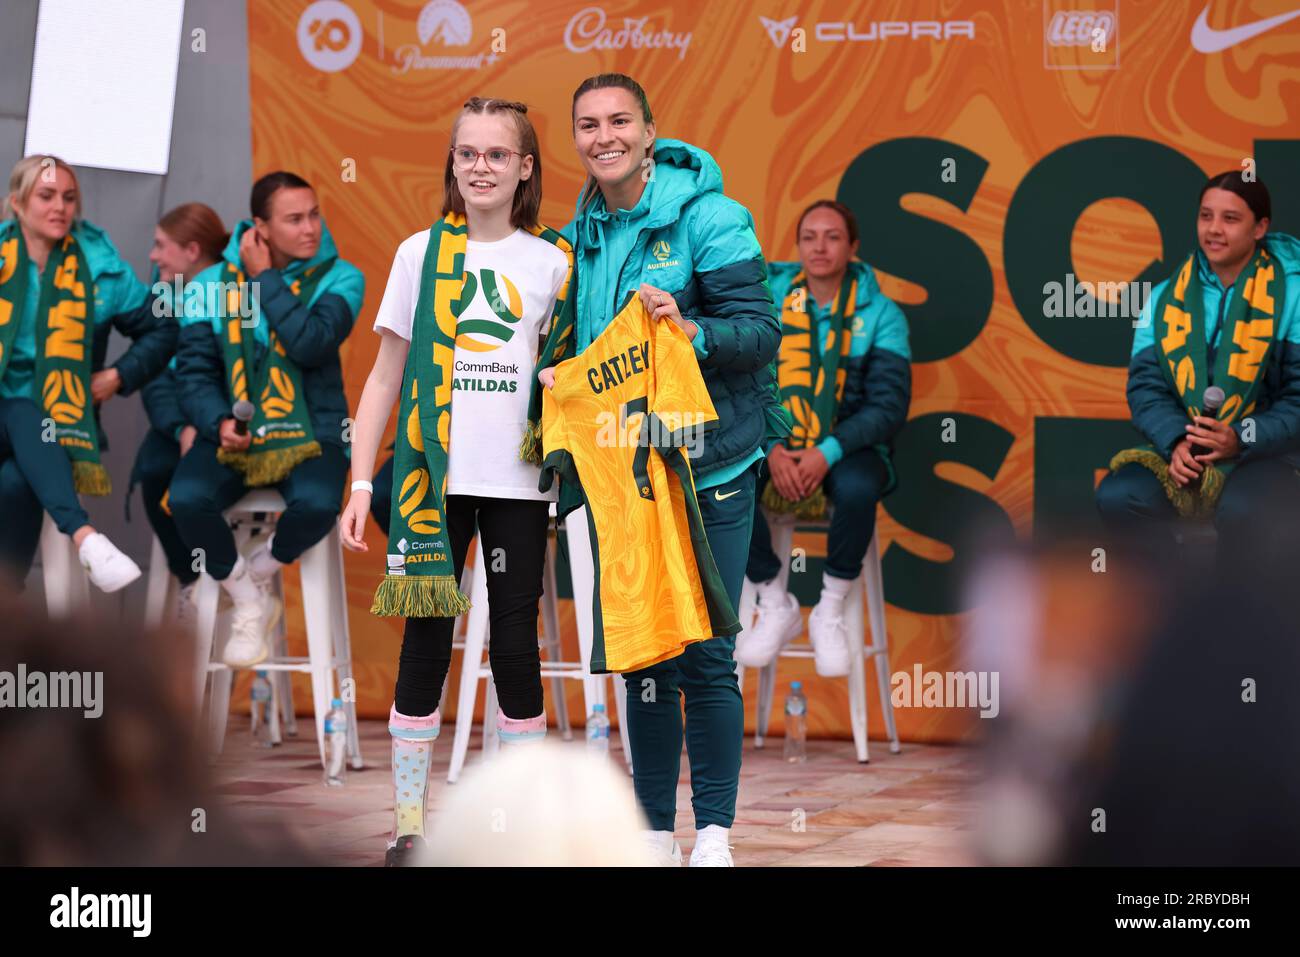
{"x": 498, "y": 157}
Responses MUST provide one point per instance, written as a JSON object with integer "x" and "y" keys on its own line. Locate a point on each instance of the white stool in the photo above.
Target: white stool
{"x": 67, "y": 587}
{"x": 476, "y": 637}
{"x": 161, "y": 593}
{"x": 869, "y": 582}
{"x": 158, "y": 587}
{"x": 329, "y": 647}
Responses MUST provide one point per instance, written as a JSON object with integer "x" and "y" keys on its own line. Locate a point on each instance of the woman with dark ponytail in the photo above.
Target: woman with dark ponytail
{"x": 261, "y": 333}
{"x": 1229, "y": 318}
{"x": 652, "y": 221}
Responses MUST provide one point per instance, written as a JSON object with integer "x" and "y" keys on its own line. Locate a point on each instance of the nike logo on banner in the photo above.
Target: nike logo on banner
{"x": 717, "y": 494}
{"x": 1206, "y": 39}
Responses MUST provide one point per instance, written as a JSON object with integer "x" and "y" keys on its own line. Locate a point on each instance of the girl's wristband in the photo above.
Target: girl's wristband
{"x": 361, "y": 485}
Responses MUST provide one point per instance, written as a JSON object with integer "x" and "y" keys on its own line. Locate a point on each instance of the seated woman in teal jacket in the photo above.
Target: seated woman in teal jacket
{"x": 845, "y": 373}
{"x": 653, "y": 221}
{"x": 261, "y": 335}
{"x": 1229, "y": 317}
{"x": 187, "y": 240}
{"x": 63, "y": 288}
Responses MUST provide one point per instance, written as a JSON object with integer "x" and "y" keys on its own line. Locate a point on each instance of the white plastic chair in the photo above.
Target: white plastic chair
{"x": 869, "y": 584}
{"x": 161, "y": 593}
{"x": 67, "y": 587}
{"x": 324, "y": 594}
{"x": 559, "y": 671}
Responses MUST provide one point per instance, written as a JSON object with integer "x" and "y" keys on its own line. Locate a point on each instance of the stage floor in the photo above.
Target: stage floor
{"x": 905, "y": 809}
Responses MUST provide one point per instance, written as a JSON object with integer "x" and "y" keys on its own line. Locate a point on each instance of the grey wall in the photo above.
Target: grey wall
{"x": 211, "y": 108}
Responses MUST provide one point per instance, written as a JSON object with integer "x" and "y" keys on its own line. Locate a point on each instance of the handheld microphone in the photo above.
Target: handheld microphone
{"x": 1211, "y": 402}
{"x": 243, "y": 412}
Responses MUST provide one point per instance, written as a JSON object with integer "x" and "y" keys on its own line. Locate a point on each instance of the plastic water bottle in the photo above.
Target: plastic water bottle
{"x": 336, "y": 744}
{"x": 796, "y": 724}
{"x": 598, "y": 731}
{"x": 261, "y": 695}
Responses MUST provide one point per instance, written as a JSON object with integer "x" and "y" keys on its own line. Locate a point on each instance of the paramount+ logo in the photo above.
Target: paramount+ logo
{"x": 479, "y": 330}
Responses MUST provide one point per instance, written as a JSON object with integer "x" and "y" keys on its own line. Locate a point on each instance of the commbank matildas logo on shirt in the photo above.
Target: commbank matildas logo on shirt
{"x": 480, "y": 332}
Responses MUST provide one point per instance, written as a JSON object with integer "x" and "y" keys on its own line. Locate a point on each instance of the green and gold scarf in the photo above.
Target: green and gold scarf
{"x": 811, "y": 377}
{"x": 557, "y": 348}
{"x": 1245, "y": 342}
{"x": 281, "y": 425}
{"x": 65, "y": 320}
{"x": 421, "y": 577}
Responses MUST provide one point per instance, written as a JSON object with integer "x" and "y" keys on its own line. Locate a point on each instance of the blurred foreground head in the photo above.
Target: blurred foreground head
{"x": 118, "y": 777}
{"x": 1150, "y": 708}
{"x": 540, "y": 806}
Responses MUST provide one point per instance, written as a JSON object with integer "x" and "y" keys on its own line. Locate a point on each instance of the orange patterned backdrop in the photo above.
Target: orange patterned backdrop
{"x": 786, "y": 107}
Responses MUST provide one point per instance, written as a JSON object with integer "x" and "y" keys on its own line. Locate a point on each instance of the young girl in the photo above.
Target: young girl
{"x": 653, "y": 221}
{"x": 186, "y": 241}
{"x": 460, "y": 321}
{"x": 62, "y": 288}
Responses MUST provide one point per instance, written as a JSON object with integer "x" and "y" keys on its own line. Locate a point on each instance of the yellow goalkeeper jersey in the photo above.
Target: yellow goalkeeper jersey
{"x": 616, "y": 426}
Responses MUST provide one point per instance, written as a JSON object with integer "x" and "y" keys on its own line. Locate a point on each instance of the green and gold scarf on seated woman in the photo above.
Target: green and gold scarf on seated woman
{"x": 811, "y": 375}
{"x": 281, "y": 426}
{"x": 1245, "y": 343}
{"x": 421, "y": 579}
{"x": 65, "y": 320}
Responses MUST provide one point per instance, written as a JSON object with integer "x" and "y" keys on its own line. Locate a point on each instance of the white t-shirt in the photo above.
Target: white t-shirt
{"x": 515, "y": 281}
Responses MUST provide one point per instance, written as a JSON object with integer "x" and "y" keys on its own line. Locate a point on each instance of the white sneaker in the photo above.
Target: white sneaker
{"x": 830, "y": 640}
{"x": 250, "y": 623}
{"x": 261, "y": 564}
{"x": 777, "y": 622}
{"x": 711, "y": 848}
{"x": 663, "y": 848}
{"x": 109, "y": 568}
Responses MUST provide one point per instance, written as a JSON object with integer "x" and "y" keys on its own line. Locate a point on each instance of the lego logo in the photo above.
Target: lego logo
{"x": 1080, "y": 28}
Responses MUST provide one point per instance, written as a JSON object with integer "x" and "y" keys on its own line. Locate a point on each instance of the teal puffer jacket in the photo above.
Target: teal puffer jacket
{"x": 689, "y": 239}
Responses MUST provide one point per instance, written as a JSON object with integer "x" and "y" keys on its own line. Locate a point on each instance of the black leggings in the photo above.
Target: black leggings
{"x": 514, "y": 547}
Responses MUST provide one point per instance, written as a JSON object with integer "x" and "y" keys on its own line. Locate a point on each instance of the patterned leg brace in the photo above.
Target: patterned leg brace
{"x": 520, "y": 730}
{"x": 412, "y": 747}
